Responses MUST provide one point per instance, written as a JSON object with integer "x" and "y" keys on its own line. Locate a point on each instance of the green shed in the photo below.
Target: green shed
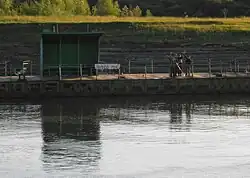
{"x": 69, "y": 51}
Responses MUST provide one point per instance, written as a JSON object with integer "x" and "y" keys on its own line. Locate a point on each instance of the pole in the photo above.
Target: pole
{"x": 60, "y": 72}
{"x": 192, "y": 68}
{"x": 221, "y": 70}
{"x": 129, "y": 66}
{"x": 78, "y": 55}
{"x": 81, "y": 71}
{"x": 5, "y": 68}
{"x": 235, "y": 65}
{"x": 119, "y": 73}
{"x": 152, "y": 66}
{"x": 145, "y": 68}
{"x": 31, "y": 68}
{"x": 41, "y": 58}
{"x": 96, "y": 74}
{"x": 209, "y": 67}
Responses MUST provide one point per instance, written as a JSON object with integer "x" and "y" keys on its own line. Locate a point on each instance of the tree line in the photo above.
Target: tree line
{"x": 190, "y": 8}
{"x": 70, "y": 7}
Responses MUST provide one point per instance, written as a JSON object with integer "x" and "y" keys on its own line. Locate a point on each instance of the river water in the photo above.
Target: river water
{"x": 126, "y": 137}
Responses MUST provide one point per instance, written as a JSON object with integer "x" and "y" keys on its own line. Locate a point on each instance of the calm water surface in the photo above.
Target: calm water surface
{"x": 126, "y": 137}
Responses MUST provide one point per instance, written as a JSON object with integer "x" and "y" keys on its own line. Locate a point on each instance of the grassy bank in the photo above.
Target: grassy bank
{"x": 168, "y": 23}
{"x": 152, "y": 29}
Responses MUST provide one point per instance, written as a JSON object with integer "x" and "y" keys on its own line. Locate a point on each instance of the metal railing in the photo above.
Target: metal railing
{"x": 136, "y": 66}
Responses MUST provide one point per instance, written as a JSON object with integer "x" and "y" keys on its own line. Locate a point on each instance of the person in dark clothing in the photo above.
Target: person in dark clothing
{"x": 187, "y": 64}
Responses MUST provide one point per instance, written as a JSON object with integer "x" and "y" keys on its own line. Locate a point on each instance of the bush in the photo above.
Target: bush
{"x": 148, "y": 13}
{"x": 137, "y": 12}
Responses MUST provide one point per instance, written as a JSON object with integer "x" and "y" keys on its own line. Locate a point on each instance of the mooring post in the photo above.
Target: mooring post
{"x": 129, "y": 66}
{"x": 80, "y": 71}
{"x": 60, "y": 72}
{"x": 209, "y": 67}
{"x": 152, "y": 66}
{"x": 145, "y": 68}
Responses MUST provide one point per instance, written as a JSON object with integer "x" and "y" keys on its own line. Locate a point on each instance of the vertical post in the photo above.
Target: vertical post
{"x": 192, "y": 68}
{"x": 41, "y": 58}
{"x": 209, "y": 67}
{"x": 60, "y": 58}
{"x": 96, "y": 73}
{"x": 81, "y": 71}
{"x": 99, "y": 51}
{"x": 221, "y": 70}
{"x": 238, "y": 67}
{"x": 119, "y": 73}
{"x": 60, "y": 72}
{"x": 145, "y": 69}
{"x": 31, "y": 69}
{"x": 235, "y": 65}
{"x": 5, "y": 68}
{"x": 87, "y": 27}
{"x": 152, "y": 66}
{"x": 129, "y": 66}
{"x": 78, "y": 56}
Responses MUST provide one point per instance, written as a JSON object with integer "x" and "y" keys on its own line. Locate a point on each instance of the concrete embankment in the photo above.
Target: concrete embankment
{"x": 123, "y": 87}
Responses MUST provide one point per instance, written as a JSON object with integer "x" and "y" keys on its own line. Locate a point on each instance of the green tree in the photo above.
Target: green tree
{"x": 125, "y": 11}
{"x": 137, "y": 11}
{"x": 69, "y": 6}
{"x": 117, "y": 9}
{"x": 81, "y": 7}
{"x": 31, "y": 9}
{"x": 106, "y": 7}
{"x": 94, "y": 11}
{"x": 148, "y": 13}
{"x": 6, "y": 7}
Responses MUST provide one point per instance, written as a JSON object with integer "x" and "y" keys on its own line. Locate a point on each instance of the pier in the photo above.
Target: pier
{"x": 70, "y": 66}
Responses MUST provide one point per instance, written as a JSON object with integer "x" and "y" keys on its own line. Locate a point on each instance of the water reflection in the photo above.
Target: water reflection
{"x": 71, "y": 134}
{"x": 114, "y": 136}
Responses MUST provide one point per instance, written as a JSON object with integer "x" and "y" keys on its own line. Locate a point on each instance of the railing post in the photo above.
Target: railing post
{"x": 209, "y": 67}
{"x": 221, "y": 70}
{"x": 5, "y": 68}
{"x": 31, "y": 68}
{"x": 152, "y": 66}
{"x": 192, "y": 68}
{"x": 235, "y": 65}
{"x": 80, "y": 71}
{"x": 145, "y": 69}
{"x": 60, "y": 72}
{"x": 129, "y": 66}
{"x": 238, "y": 67}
